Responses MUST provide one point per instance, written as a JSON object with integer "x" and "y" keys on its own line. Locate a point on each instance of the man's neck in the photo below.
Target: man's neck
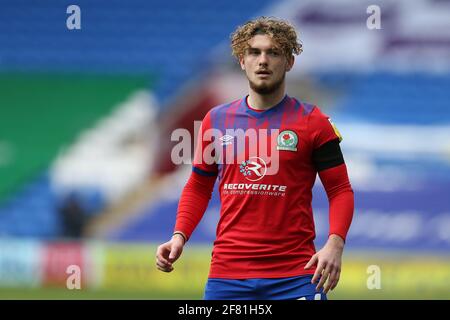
{"x": 264, "y": 102}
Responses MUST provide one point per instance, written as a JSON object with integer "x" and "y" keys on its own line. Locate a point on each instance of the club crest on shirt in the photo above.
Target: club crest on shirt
{"x": 287, "y": 140}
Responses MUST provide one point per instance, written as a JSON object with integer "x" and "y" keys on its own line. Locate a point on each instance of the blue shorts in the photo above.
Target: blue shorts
{"x": 292, "y": 288}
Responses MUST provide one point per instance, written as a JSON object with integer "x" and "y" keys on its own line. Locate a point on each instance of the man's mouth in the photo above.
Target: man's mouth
{"x": 263, "y": 72}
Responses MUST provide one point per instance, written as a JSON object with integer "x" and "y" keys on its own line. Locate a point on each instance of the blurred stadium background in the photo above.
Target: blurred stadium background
{"x": 86, "y": 118}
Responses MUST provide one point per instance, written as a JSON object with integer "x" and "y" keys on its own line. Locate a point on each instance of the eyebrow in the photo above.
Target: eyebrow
{"x": 270, "y": 49}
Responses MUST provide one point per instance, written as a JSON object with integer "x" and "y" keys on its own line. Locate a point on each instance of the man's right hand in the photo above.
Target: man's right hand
{"x": 169, "y": 252}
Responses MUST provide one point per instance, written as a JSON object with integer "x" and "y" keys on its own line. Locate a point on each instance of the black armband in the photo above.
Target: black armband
{"x": 328, "y": 155}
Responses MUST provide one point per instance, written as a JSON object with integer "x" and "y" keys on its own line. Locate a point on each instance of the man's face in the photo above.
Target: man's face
{"x": 265, "y": 64}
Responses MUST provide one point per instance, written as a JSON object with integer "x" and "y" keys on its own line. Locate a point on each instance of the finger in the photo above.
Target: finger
{"x": 311, "y": 262}
{"x": 336, "y": 281}
{"x": 331, "y": 280}
{"x": 318, "y": 272}
{"x": 163, "y": 261}
{"x": 324, "y": 277}
{"x": 160, "y": 255}
{"x": 174, "y": 253}
{"x": 162, "y": 265}
{"x": 328, "y": 284}
{"x": 165, "y": 269}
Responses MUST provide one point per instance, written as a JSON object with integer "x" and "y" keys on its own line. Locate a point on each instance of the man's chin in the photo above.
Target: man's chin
{"x": 266, "y": 87}
{"x": 263, "y": 89}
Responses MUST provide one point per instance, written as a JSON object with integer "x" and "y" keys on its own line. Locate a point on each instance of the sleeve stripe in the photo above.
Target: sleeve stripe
{"x": 204, "y": 173}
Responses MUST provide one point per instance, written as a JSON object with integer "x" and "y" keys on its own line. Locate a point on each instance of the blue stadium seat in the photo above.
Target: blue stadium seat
{"x": 121, "y": 37}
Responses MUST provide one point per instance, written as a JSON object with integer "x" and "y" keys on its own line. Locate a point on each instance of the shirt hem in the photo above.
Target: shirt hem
{"x": 258, "y": 275}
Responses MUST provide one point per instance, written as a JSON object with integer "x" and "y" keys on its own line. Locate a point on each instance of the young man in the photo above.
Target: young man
{"x": 264, "y": 244}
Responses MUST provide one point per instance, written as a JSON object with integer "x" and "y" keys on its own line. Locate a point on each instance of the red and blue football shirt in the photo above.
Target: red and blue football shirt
{"x": 263, "y": 160}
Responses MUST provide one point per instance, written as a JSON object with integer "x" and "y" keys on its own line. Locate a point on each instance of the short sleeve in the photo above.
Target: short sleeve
{"x": 204, "y": 161}
{"x": 321, "y": 128}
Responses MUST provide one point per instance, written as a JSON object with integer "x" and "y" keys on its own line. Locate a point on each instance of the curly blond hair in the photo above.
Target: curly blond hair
{"x": 281, "y": 31}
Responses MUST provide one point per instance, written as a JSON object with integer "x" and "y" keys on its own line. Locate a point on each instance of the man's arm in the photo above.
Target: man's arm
{"x": 193, "y": 201}
{"x": 332, "y": 170}
{"x": 191, "y": 207}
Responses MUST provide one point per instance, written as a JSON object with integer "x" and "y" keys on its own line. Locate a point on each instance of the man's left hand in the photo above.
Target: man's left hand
{"x": 328, "y": 261}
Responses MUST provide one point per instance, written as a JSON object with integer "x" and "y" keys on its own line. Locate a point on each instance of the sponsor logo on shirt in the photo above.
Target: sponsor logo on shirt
{"x": 226, "y": 140}
{"x": 254, "y": 186}
{"x": 336, "y": 131}
{"x": 254, "y": 189}
{"x": 253, "y": 169}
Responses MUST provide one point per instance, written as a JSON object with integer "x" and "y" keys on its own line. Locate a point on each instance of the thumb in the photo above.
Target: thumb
{"x": 174, "y": 253}
{"x": 311, "y": 262}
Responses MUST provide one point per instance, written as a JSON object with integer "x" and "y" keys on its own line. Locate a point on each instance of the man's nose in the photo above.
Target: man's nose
{"x": 263, "y": 60}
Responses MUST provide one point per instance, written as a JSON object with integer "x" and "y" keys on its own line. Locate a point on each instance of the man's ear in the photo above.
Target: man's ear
{"x": 290, "y": 63}
{"x": 241, "y": 62}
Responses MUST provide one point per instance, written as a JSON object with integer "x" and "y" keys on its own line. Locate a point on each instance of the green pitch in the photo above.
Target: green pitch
{"x": 65, "y": 294}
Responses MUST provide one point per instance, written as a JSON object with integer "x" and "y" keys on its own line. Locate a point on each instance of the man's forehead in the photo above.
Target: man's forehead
{"x": 263, "y": 42}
